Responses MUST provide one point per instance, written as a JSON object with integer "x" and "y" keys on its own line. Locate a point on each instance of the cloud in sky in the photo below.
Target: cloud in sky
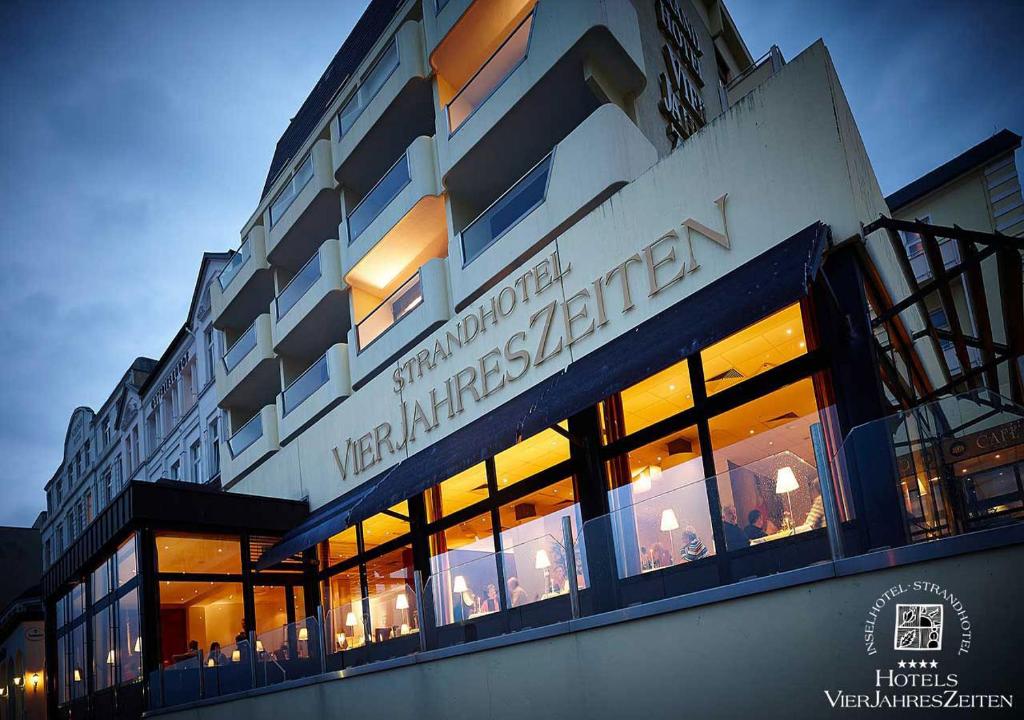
{"x": 135, "y": 136}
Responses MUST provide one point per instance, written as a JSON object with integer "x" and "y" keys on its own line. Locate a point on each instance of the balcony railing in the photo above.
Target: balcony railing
{"x": 311, "y": 380}
{"x": 491, "y": 75}
{"x": 230, "y": 271}
{"x": 372, "y": 82}
{"x": 397, "y": 305}
{"x": 240, "y": 348}
{"x": 287, "y": 196}
{"x": 503, "y": 214}
{"x": 246, "y": 435}
{"x": 379, "y": 197}
{"x": 298, "y": 285}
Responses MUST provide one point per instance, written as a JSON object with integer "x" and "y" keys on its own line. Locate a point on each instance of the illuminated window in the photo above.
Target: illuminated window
{"x": 660, "y": 396}
{"x": 129, "y": 640}
{"x": 464, "y": 575}
{"x": 457, "y": 492}
{"x": 181, "y": 553}
{"x": 203, "y": 612}
{"x": 344, "y": 612}
{"x": 271, "y": 605}
{"x": 765, "y": 462}
{"x": 104, "y": 657}
{"x": 529, "y": 457}
{"x": 533, "y": 550}
{"x": 341, "y": 547}
{"x": 126, "y": 562}
{"x": 760, "y": 347}
{"x": 386, "y": 526}
{"x": 660, "y": 513}
{"x": 389, "y": 579}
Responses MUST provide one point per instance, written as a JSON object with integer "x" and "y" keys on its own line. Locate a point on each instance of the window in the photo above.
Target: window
{"x": 104, "y": 657}
{"x": 106, "y": 433}
{"x": 390, "y": 584}
{"x": 285, "y": 198}
{"x": 136, "y": 451}
{"x": 214, "y": 428}
{"x": 89, "y": 509}
{"x": 459, "y": 491}
{"x": 196, "y": 459}
{"x": 108, "y": 486}
{"x": 183, "y": 553}
{"x": 660, "y": 396}
{"x": 126, "y": 562}
{"x": 129, "y": 638}
{"x": 373, "y": 81}
{"x": 464, "y": 574}
{"x": 529, "y": 457}
{"x": 128, "y": 445}
{"x": 203, "y": 612}
{"x": 344, "y": 612}
{"x": 758, "y": 348}
{"x": 210, "y": 344}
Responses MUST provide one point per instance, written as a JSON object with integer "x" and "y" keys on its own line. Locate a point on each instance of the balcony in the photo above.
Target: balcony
{"x": 604, "y": 153}
{"x": 305, "y": 209}
{"x": 311, "y": 310}
{"x": 250, "y": 445}
{"x": 416, "y": 307}
{"x": 319, "y": 388}
{"x": 248, "y": 374}
{"x": 399, "y": 224}
{"x": 391, "y": 103}
{"x": 245, "y": 285}
{"x": 523, "y": 74}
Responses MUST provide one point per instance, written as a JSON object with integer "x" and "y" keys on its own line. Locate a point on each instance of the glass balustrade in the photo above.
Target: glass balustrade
{"x": 372, "y": 82}
{"x": 240, "y": 348}
{"x": 246, "y": 435}
{"x": 491, "y": 75}
{"x": 399, "y": 304}
{"x": 517, "y": 202}
{"x": 289, "y": 192}
{"x": 386, "y": 190}
{"x": 288, "y": 652}
{"x": 298, "y": 285}
{"x": 311, "y": 380}
{"x": 230, "y": 270}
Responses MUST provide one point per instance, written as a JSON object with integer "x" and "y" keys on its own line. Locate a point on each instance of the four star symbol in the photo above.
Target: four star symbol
{"x": 913, "y": 664}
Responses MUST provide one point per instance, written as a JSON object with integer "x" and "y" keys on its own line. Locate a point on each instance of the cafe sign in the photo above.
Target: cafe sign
{"x": 1001, "y": 437}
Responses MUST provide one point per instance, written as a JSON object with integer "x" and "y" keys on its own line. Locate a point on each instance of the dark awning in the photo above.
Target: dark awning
{"x": 769, "y": 282}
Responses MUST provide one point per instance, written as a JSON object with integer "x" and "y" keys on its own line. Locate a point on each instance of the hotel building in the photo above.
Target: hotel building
{"x": 570, "y": 355}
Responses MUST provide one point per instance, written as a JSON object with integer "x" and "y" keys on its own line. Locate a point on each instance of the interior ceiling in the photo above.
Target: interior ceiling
{"x": 182, "y": 553}
{"x": 188, "y": 593}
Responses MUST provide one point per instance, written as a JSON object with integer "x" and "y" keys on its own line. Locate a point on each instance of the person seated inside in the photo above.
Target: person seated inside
{"x": 734, "y": 537}
{"x": 816, "y": 515}
{"x": 490, "y": 603}
{"x": 216, "y": 657}
{"x": 516, "y": 594}
{"x": 755, "y": 525}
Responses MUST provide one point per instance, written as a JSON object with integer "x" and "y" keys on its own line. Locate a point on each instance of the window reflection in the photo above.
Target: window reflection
{"x": 103, "y": 656}
{"x": 126, "y": 562}
{"x": 767, "y": 474}
{"x": 129, "y": 640}
{"x": 760, "y": 347}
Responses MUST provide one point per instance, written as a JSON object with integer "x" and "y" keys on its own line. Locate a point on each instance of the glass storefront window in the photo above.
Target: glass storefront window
{"x": 457, "y": 492}
{"x": 660, "y": 506}
{"x": 193, "y": 615}
{"x": 341, "y": 547}
{"x": 183, "y": 553}
{"x": 762, "y": 346}
{"x": 77, "y": 602}
{"x": 63, "y": 687}
{"x": 127, "y": 564}
{"x": 104, "y": 658}
{"x": 271, "y": 604}
{"x": 392, "y": 604}
{"x": 100, "y": 581}
{"x": 464, "y": 575}
{"x": 384, "y": 527}
{"x": 660, "y": 396}
{"x": 343, "y": 594}
{"x": 129, "y": 639}
{"x": 767, "y": 474}
{"x": 77, "y": 655}
{"x": 529, "y": 457}
{"x": 533, "y": 552}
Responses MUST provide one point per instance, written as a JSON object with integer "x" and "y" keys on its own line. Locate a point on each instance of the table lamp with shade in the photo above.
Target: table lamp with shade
{"x": 402, "y": 604}
{"x": 543, "y": 562}
{"x": 785, "y": 484}
{"x": 459, "y": 585}
{"x": 670, "y": 522}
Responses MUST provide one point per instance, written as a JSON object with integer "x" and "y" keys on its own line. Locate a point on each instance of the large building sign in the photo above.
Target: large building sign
{"x": 506, "y": 355}
{"x": 680, "y": 83}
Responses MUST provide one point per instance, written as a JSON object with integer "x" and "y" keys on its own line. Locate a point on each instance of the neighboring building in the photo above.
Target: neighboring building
{"x": 180, "y": 417}
{"x": 99, "y": 448}
{"x": 977, "y": 190}
{"x": 22, "y": 647}
{"x": 560, "y": 357}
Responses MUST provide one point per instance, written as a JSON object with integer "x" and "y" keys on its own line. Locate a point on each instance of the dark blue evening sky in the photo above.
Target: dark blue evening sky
{"x": 136, "y": 135}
